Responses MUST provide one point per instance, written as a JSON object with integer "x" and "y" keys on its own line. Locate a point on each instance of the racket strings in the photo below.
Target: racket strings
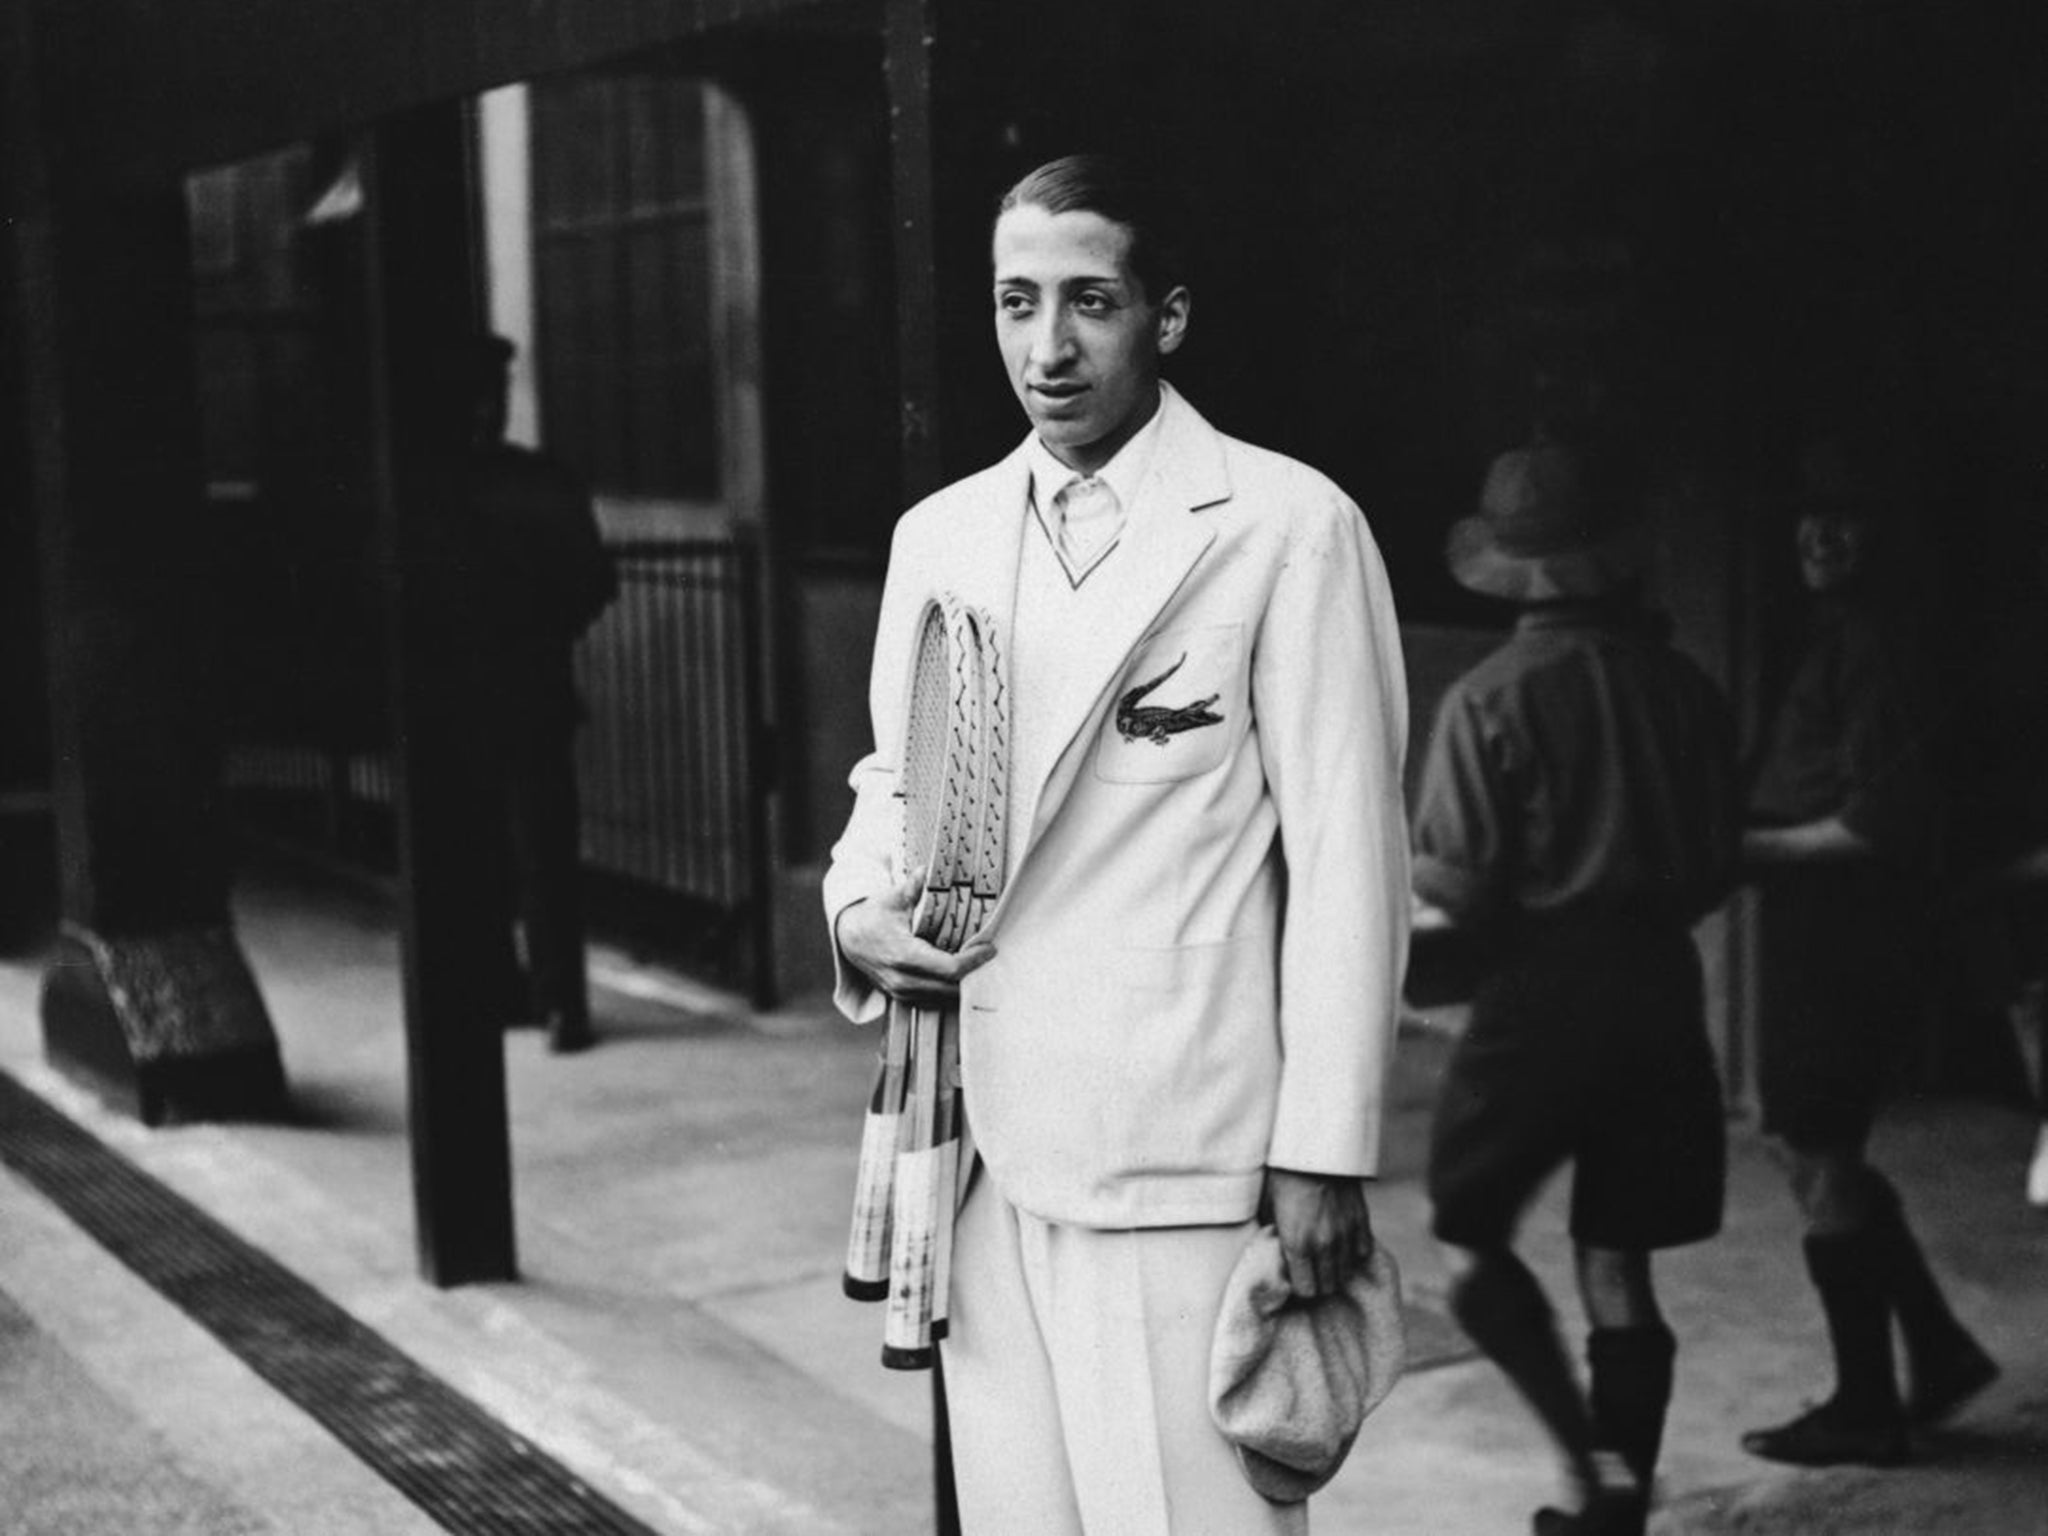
{"x": 927, "y": 730}
{"x": 993, "y": 777}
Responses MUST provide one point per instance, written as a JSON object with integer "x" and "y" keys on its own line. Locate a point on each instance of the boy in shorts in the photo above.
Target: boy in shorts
{"x": 1578, "y": 815}
{"x": 1841, "y": 806}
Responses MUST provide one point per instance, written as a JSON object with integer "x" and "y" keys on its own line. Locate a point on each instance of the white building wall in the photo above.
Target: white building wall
{"x": 503, "y": 160}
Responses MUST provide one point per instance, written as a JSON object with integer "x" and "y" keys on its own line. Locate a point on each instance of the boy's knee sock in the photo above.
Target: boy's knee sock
{"x": 1924, "y": 1315}
{"x": 1631, "y": 1391}
{"x": 1848, "y": 1272}
{"x": 1501, "y": 1306}
{"x": 1947, "y": 1365}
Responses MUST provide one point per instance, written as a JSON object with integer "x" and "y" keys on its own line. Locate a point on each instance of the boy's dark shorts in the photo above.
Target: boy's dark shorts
{"x": 1587, "y": 1044}
{"x": 1842, "y": 955}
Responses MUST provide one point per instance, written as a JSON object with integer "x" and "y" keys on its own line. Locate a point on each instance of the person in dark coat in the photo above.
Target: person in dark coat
{"x": 1578, "y": 815}
{"x": 540, "y": 577}
{"x": 1842, "y": 838}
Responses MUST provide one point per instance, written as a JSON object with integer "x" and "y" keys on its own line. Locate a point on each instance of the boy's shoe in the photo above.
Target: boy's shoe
{"x": 567, "y": 1035}
{"x": 1614, "y": 1512}
{"x": 1942, "y": 1386}
{"x": 1826, "y": 1437}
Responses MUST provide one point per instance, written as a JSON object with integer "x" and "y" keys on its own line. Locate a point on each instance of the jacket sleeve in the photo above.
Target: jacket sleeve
{"x": 866, "y": 861}
{"x": 1330, "y": 701}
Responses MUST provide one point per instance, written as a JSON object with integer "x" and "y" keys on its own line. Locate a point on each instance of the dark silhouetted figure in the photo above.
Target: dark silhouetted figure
{"x": 540, "y": 577}
{"x": 1578, "y": 815}
{"x": 1844, "y": 821}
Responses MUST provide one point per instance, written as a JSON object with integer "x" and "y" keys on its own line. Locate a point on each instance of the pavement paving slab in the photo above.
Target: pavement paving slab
{"x": 120, "y": 1415}
{"x": 73, "y": 1458}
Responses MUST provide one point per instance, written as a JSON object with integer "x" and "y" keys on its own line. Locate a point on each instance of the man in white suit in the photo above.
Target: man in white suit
{"x": 1179, "y": 1018}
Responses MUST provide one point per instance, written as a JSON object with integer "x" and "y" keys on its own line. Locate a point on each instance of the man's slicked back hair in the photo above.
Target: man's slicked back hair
{"x": 1114, "y": 189}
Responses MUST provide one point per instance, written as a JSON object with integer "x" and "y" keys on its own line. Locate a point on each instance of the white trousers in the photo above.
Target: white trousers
{"x": 1077, "y": 1380}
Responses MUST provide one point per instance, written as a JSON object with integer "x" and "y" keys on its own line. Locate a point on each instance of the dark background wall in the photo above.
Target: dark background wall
{"x": 1714, "y": 228}
{"x": 1740, "y": 223}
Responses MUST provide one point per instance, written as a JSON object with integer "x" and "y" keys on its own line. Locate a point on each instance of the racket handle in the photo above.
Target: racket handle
{"x": 867, "y": 1245}
{"x": 907, "y": 1326}
{"x": 946, "y": 1203}
{"x": 946, "y": 1133}
{"x": 895, "y": 1058}
{"x": 946, "y": 1082}
{"x": 922, "y": 1092}
{"x": 913, "y": 1213}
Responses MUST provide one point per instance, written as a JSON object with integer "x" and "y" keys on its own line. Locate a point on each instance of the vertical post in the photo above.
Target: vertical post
{"x": 761, "y": 769}
{"x": 742, "y": 475}
{"x": 423, "y": 297}
{"x": 29, "y": 431}
{"x": 150, "y": 1000}
{"x": 908, "y": 40}
{"x": 907, "y": 46}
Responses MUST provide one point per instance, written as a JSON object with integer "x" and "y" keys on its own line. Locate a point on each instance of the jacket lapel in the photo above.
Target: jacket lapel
{"x": 987, "y": 540}
{"x": 1163, "y": 540}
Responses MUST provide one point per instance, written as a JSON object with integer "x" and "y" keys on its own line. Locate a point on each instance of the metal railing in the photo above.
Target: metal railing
{"x": 670, "y": 760}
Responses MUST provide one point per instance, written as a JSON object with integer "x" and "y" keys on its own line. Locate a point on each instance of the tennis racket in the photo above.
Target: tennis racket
{"x": 922, "y": 786}
{"x": 953, "y": 781}
{"x": 988, "y": 825}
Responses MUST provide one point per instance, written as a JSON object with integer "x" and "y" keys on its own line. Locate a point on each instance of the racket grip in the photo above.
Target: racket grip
{"x": 946, "y": 1133}
{"x": 867, "y": 1246}
{"x": 946, "y": 1204}
{"x": 907, "y": 1326}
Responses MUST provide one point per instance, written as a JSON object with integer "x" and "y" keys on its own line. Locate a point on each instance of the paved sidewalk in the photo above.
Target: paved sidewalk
{"x": 679, "y": 1340}
{"x": 117, "y": 1415}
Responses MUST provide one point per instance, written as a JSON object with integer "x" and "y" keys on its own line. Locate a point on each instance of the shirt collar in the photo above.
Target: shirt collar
{"x": 1123, "y": 474}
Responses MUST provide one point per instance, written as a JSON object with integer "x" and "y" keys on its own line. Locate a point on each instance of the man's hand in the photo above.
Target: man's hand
{"x": 875, "y": 936}
{"x": 1324, "y": 1227}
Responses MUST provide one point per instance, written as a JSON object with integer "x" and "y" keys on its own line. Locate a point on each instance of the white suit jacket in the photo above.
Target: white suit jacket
{"x": 1200, "y": 944}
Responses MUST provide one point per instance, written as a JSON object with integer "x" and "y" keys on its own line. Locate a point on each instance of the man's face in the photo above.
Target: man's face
{"x": 1081, "y": 339}
{"x": 1831, "y": 550}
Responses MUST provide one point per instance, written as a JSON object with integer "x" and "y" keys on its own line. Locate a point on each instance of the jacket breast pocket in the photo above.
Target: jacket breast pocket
{"x": 1180, "y": 704}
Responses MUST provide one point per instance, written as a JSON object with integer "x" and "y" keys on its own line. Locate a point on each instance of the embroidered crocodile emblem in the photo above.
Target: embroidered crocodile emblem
{"x": 1155, "y": 723}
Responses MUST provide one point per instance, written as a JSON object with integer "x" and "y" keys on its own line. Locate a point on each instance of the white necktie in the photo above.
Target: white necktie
{"x": 1088, "y": 518}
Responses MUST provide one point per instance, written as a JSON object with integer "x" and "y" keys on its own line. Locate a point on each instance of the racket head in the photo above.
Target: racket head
{"x": 992, "y": 765}
{"x": 933, "y": 768}
{"x": 921, "y": 766}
